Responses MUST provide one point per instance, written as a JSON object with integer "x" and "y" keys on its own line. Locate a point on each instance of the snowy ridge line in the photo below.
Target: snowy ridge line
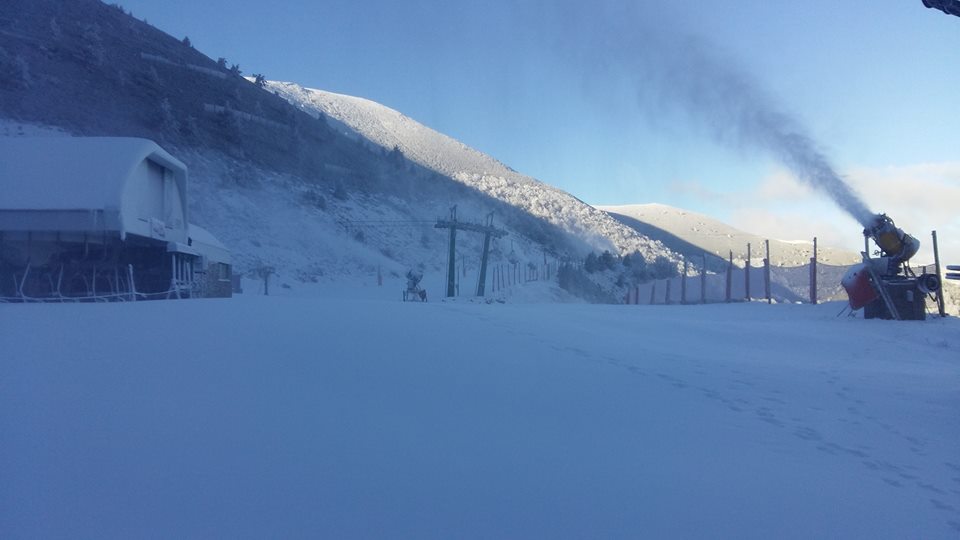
{"x": 391, "y": 129}
{"x": 678, "y": 227}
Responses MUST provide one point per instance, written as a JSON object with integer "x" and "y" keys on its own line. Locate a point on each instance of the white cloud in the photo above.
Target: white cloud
{"x": 698, "y": 191}
{"x": 920, "y": 198}
{"x": 781, "y": 186}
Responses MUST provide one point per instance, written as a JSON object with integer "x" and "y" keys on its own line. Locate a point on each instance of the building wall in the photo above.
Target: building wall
{"x": 153, "y": 204}
{"x": 217, "y": 282}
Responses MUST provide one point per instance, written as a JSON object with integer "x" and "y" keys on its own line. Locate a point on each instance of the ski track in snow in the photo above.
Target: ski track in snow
{"x": 762, "y": 399}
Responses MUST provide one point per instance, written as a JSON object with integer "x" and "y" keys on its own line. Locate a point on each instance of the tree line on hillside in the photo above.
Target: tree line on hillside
{"x": 634, "y": 267}
{"x": 599, "y": 276}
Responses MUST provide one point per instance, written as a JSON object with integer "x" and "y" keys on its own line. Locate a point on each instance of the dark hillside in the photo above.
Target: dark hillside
{"x": 95, "y": 70}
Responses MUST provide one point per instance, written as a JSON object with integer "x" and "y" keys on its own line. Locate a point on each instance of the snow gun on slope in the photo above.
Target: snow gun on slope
{"x": 885, "y": 286}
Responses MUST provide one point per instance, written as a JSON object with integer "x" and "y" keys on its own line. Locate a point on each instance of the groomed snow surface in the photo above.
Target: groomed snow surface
{"x": 285, "y": 417}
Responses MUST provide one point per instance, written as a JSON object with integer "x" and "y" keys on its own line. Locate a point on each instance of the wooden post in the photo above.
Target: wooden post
{"x": 766, "y": 273}
{"x": 813, "y": 274}
{"x": 666, "y": 295}
{"x": 482, "y": 280}
{"x": 936, "y": 262}
{"x": 653, "y": 292}
{"x": 452, "y": 258}
{"x": 730, "y": 276}
{"x": 133, "y": 285}
{"x": 683, "y": 283}
{"x": 746, "y": 274}
{"x": 703, "y": 280}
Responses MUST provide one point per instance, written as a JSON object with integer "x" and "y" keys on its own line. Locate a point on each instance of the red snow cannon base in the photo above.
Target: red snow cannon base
{"x": 859, "y": 289}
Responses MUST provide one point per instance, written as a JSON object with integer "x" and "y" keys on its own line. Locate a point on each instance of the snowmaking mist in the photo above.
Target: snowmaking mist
{"x": 676, "y": 75}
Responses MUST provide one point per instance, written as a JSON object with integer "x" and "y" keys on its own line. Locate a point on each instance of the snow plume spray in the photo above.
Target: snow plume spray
{"x": 674, "y": 73}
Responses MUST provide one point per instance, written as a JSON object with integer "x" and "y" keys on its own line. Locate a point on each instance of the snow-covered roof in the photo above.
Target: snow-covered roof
{"x": 91, "y": 174}
{"x": 74, "y": 173}
{"x": 207, "y": 244}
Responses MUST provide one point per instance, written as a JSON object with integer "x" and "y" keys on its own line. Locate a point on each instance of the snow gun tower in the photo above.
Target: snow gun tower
{"x": 885, "y": 286}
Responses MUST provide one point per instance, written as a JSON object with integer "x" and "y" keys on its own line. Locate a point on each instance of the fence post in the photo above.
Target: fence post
{"x": 813, "y": 274}
{"x": 666, "y": 295}
{"x": 746, "y": 274}
{"x": 730, "y": 276}
{"x": 683, "y": 283}
{"x": 936, "y": 262}
{"x": 703, "y": 280}
{"x": 653, "y": 292}
{"x": 766, "y": 273}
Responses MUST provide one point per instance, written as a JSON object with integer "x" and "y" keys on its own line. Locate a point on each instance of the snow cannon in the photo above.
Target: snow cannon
{"x": 898, "y": 246}
{"x": 885, "y": 287}
{"x": 859, "y": 288}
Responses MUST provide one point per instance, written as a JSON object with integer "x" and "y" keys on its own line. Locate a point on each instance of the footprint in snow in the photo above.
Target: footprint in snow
{"x": 940, "y": 505}
{"x": 808, "y": 434}
{"x": 892, "y": 482}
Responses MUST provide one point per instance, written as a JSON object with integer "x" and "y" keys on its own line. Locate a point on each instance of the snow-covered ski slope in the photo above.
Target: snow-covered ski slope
{"x": 714, "y": 236}
{"x": 326, "y": 418}
{"x": 391, "y": 129}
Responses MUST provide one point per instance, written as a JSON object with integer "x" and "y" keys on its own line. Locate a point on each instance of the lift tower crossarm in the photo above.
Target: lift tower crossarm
{"x": 488, "y": 231}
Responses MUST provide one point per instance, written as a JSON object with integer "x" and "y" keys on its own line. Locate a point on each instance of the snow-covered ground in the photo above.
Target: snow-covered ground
{"x": 328, "y": 417}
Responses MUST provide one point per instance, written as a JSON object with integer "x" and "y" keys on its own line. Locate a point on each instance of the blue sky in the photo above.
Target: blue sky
{"x": 874, "y": 82}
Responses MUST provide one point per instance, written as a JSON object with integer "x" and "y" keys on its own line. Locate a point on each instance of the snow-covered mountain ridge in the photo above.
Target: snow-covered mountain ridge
{"x": 676, "y": 226}
{"x": 391, "y": 129}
